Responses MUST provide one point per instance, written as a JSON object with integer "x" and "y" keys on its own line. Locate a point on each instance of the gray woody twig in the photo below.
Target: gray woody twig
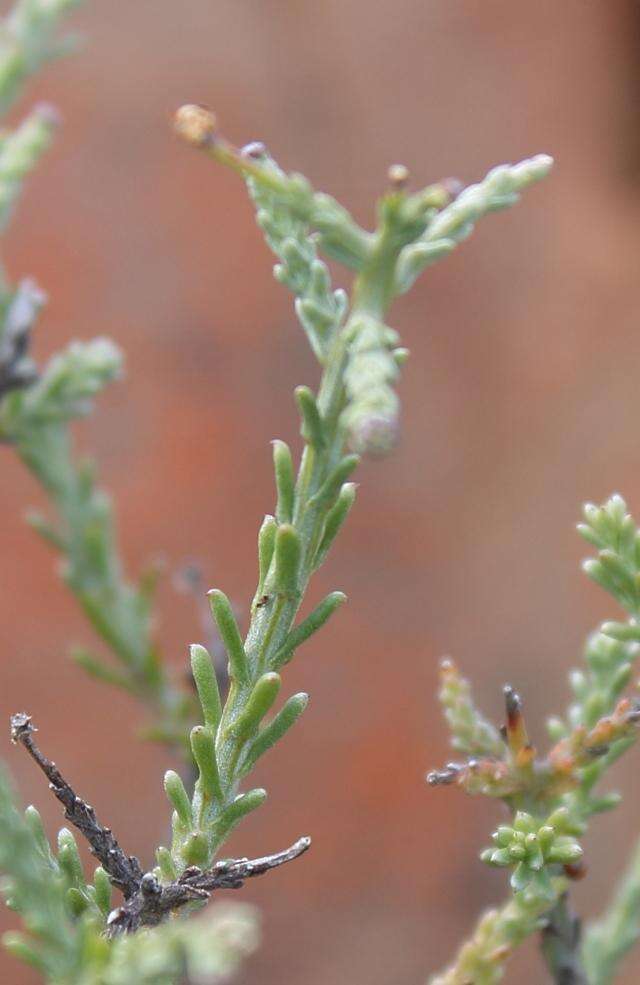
{"x": 155, "y": 901}
{"x": 123, "y": 870}
{"x": 147, "y": 901}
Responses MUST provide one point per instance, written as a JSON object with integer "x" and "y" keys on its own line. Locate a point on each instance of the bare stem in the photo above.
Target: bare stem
{"x": 123, "y": 870}
{"x": 154, "y": 901}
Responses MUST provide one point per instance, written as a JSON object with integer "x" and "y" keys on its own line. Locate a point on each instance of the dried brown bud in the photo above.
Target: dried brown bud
{"x": 195, "y": 124}
{"x": 517, "y": 738}
{"x": 575, "y": 870}
{"x": 525, "y": 757}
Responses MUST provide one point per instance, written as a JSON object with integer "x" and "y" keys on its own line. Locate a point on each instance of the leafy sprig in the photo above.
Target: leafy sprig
{"x": 355, "y": 409}
{"x": 600, "y": 725}
{"x": 355, "y": 406}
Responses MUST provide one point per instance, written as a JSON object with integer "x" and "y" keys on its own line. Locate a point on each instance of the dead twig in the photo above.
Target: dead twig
{"x": 147, "y": 900}
{"x": 155, "y": 901}
{"x": 123, "y": 870}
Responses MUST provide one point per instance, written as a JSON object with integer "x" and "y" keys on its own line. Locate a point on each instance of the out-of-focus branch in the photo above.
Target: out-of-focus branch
{"x": 561, "y": 938}
{"x": 36, "y": 421}
{"x": 609, "y": 939}
{"x": 28, "y": 39}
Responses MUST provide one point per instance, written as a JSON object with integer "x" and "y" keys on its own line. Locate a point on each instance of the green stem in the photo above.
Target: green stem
{"x": 481, "y": 959}
{"x": 323, "y": 212}
{"x": 607, "y": 941}
{"x": 272, "y": 622}
{"x": 560, "y": 944}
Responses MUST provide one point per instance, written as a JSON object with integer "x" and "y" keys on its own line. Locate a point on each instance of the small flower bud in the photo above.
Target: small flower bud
{"x": 195, "y": 124}
{"x": 398, "y": 176}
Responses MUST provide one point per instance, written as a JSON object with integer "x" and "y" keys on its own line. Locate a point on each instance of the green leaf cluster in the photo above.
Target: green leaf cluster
{"x": 530, "y": 848}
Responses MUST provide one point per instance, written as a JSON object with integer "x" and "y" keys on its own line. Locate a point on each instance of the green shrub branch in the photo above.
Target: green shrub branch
{"x": 600, "y": 725}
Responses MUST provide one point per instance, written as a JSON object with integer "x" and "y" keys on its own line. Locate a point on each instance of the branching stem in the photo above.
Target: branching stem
{"x": 147, "y": 901}
{"x": 155, "y": 901}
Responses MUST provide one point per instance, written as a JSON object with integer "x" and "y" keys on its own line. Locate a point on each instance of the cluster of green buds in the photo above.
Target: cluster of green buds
{"x": 529, "y": 846}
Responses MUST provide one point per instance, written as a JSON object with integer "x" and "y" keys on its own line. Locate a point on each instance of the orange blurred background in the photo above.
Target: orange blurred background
{"x": 520, "y": 401}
